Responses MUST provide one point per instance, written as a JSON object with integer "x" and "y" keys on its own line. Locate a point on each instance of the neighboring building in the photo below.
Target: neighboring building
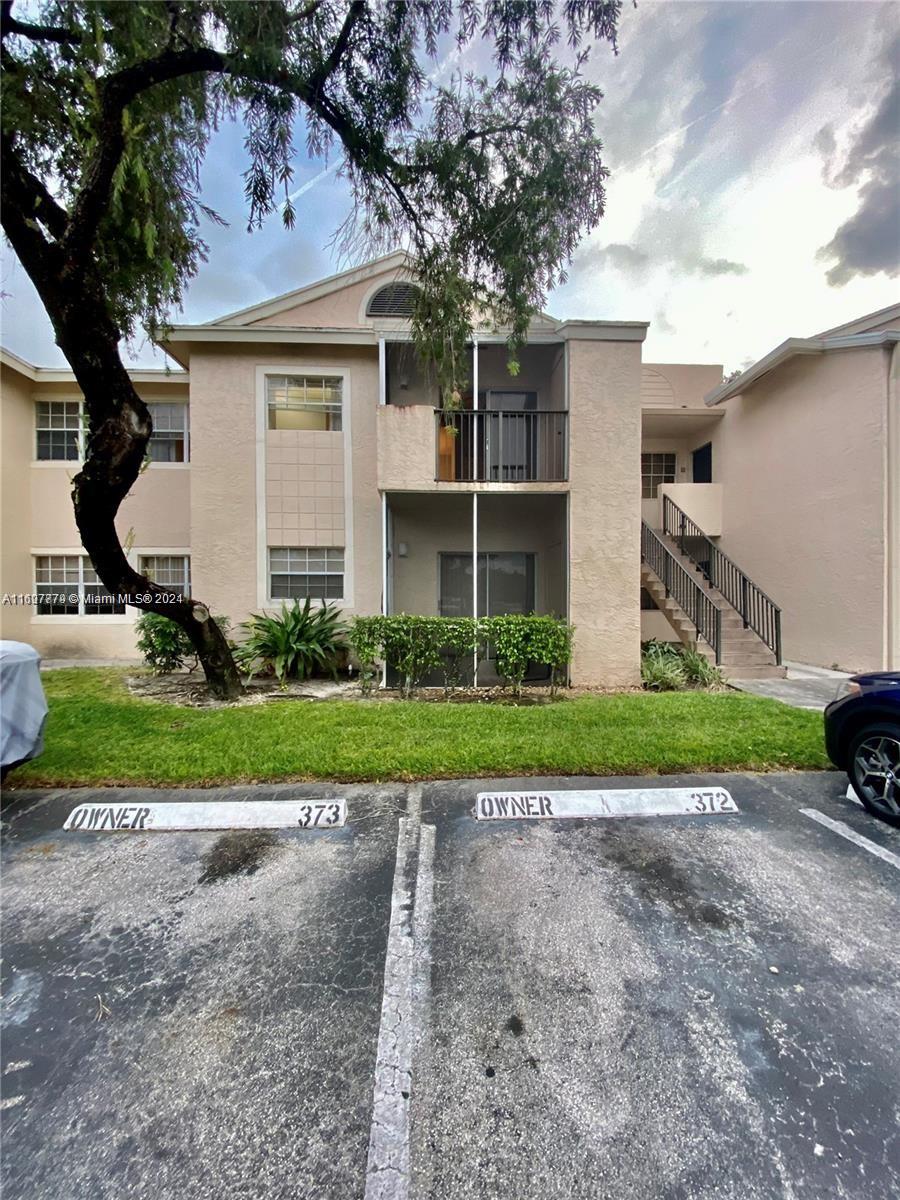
{"x": 807, "y": 455}
{"x": 301, "y": 452}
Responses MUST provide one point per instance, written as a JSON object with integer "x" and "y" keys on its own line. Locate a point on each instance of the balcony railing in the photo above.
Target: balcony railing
{"x": 489, "y": 446}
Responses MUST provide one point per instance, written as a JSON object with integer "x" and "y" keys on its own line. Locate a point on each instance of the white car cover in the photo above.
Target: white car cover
{"x": 23, "y": 708}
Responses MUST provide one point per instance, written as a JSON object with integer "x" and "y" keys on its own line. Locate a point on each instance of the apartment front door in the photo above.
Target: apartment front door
{"x": 702, "y": 464}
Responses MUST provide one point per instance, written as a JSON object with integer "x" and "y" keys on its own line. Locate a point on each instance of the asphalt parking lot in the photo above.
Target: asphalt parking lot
{"x": 422, "y": 1005}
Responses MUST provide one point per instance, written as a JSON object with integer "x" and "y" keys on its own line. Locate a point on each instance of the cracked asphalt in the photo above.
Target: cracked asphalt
{"x": 678, "y": 1008}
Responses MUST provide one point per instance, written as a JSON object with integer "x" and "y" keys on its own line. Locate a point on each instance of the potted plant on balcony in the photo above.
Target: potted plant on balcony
{"x": 448, "y": 432}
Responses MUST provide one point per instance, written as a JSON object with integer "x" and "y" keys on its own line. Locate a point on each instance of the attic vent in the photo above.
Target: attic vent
{"x": 394, "y": 300}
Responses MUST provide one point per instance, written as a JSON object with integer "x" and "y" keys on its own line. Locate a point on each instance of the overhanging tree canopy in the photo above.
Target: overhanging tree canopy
{"x": 490, "y": 180}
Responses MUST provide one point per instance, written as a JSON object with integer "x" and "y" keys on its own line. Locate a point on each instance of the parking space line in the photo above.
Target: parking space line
{"x": 852, "y": 836}
{"x": 400, "y": 1030}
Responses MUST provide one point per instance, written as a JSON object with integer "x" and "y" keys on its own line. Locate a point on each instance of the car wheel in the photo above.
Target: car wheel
{"x": 874, "y": 770}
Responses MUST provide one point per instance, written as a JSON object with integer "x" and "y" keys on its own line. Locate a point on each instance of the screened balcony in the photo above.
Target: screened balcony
{"x": 508, "y": 445}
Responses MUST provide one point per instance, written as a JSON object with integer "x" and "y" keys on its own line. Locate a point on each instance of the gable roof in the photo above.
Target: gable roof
{"x": 396, "y": 260}
{"x": 853, "y": 335}
{"x": 884, "y": 316}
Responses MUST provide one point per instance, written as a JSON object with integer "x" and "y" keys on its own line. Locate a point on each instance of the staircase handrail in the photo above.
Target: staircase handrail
{"x": 758, "y": 611}
{"x": 678, "y": 582}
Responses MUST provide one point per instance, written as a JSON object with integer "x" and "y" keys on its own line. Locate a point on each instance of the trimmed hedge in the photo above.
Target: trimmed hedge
{"x": 415, "y": 647}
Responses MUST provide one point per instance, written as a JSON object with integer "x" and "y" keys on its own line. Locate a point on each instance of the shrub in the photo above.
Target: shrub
{"x": 700, "y": 671}
{"x": 458, "y": 637}
{"x": 164, "y": 645}
{"x": 415, "y": 646}
{"x": 668, "y": 666}
{"x": 663, "y": 674}
{"x": 412, "y": 646}
{"x": 365, "y": 640}
{"x": 519, "y": 642}
{"x": 300, "y": 641}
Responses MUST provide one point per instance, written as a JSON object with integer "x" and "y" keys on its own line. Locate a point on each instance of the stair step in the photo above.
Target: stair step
{"x": 770, "y": 671}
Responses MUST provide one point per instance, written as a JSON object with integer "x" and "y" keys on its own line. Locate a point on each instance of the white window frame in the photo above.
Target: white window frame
{"x": 81, "y": 616}
{"x": 318, "y": 407}
{"x": 83, "y": 433}
{"x": 657, "y": 478}
{"x": 307, "y": 550}
{"x": 186, "y": 429}
{"x": 186, "y": 564}
{"x": 80, "y": 434}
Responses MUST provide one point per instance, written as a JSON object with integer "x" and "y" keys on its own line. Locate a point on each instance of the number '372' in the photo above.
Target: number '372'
{"x": 319, "y": 814}
{"x": 710, "y": 802}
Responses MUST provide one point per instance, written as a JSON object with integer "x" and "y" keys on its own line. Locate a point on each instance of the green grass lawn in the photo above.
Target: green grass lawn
{"x": 97, "y": 733}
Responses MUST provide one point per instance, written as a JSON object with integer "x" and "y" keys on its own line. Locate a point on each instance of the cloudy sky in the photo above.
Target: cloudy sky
{"x": 755, "y": 190}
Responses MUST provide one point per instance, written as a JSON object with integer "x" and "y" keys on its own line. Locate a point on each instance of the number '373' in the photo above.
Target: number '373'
{"x": 319, "y": 814}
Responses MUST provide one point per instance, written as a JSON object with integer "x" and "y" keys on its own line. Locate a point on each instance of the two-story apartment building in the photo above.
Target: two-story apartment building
{"x": 300, "y": 450}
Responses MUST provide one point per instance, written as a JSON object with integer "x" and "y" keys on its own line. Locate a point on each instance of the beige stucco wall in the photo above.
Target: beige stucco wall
{"x": 801, "y": 456}
{"x": 155, "y": 513}
{"x": 429, "y": 525}
{"x": 16, "y": 438}
{"x": 342, "y": 308}
{"x": 224, "y": 518}
{"x": 701, "y": 502}
{"x": 406, "y": 447}
{"x": 655, "y": 625}
{"x": 604, "y": 520}
{"x": 37, "y": 517}
{"x": 892, "y": 516}
{"x": 678, "y": 385}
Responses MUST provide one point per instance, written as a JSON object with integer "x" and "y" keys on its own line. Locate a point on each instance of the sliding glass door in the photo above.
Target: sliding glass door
{"x": 506, "y": 584}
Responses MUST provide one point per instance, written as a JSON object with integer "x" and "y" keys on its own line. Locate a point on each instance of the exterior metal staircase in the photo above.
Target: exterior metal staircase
{"x": 708, "y": 600}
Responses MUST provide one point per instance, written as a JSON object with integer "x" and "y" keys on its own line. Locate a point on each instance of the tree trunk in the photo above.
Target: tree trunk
{"x": 120, "y": 427}
{"x": 72, "y": 290}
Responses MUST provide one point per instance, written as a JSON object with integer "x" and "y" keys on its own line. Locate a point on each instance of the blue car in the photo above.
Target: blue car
{"x": 862, "y": 737}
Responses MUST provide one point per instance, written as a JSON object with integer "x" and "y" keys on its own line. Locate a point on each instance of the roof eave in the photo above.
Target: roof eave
{"x": 794, "y": 348}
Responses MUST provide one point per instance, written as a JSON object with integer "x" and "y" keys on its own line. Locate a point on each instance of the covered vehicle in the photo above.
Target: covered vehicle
{"x": 862, "y": 737}
{"x": 23, "y": 707}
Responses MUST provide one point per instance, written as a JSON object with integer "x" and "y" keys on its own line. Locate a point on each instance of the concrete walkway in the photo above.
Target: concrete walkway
{"x": 804, "y": 687}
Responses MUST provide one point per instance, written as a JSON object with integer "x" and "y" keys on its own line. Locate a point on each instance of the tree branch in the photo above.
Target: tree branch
{"x": 18, "y": 201}
{"x": 34, "y": 200}
{"x": 35, "y": 33}
{"x": 305, "y": 12}
{"x": 119, "y": 89}
{"x": 319, "y": 77}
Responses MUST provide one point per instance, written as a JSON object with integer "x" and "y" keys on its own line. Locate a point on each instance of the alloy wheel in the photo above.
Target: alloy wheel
{"x": 876, "y": 770}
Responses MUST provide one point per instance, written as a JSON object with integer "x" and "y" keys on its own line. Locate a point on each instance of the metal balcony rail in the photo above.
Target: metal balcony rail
{"x": 757, "y": 611}
{"x": 501, "y": 446}
{"x": 683, "y": 588}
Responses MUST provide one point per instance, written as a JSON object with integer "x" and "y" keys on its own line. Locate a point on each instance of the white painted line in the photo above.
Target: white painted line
{"x": 851, "y": 795}
{"x": 406, "y": 979}
{"x": 631, "y": 802}
{"x": 852, "y": 836}
{"x": 212, "y": 814}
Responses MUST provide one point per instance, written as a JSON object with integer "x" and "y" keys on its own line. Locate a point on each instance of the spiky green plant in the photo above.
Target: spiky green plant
{"x": 700, "y": 671}
{"x": 299, "y": 642}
